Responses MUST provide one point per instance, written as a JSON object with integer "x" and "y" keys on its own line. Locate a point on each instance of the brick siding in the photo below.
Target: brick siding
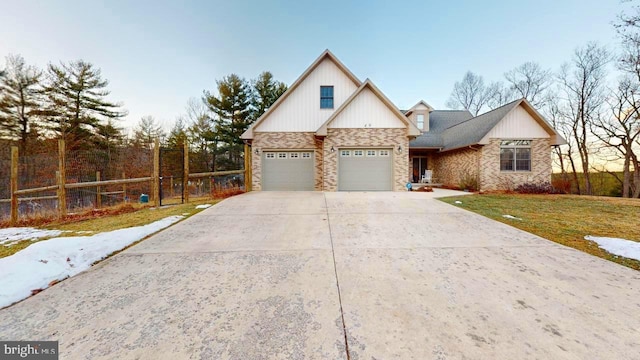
{"x": 391, "y": 138}
{"x": 491, "y": 178}
{"x": 282, "y": 141}
{"x": 451, "y": 167}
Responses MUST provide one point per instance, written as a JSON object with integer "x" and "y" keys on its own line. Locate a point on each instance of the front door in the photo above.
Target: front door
{"x": 419, "y": 166}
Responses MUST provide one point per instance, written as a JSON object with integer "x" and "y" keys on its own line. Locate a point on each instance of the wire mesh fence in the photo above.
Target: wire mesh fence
{"x": 215, "y": 185}
{"x": 99, "y": 165}
{"x": 102, "y": 178}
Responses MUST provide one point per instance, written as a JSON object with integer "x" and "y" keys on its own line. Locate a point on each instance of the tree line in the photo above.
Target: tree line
{"x": 600, "y": 119}
{"x": 70, "y": 101}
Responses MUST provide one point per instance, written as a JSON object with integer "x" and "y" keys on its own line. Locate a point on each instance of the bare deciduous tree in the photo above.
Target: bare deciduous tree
{"x": 582, "y": 85}
{"x": 529, "y": 81}
{"x": 622, "y": 130}
{"x": 471, "y": 93}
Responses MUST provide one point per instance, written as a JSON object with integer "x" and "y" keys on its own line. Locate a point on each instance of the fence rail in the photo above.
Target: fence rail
{"x": 215, "y": 173}
{"x": 100, "y": 186}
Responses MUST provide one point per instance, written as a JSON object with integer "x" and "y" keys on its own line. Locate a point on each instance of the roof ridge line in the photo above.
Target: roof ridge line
{"x": 483, "y": 114}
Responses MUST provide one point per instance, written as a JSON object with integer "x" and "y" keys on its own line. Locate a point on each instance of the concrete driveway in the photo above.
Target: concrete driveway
{"x": 274, "y": 275}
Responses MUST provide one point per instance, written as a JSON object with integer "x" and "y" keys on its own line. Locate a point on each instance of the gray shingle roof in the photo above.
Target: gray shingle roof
{"x": 473, "y": 130}
{"x": 451, "y": 129}
{"x": 439, "y": 120}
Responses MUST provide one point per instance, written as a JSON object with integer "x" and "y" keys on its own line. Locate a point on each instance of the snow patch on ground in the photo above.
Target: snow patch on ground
{"x": 25, "y": 233}
{"x": 621, "y": 247}
{"x": 38, "y": 265}
{"x": 511, "y": 217}
{"x": 203, "y": 206}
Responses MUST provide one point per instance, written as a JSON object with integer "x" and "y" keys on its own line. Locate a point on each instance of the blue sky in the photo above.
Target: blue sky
{"x": 158, "y": 54}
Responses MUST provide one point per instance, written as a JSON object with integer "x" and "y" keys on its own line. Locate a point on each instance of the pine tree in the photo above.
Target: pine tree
{"x": 76, "y": 102}
{"x": 146, "y": 131}
{"x": 232, "y": 116}
{"x": 266, "y": 92}
{"x": 19, "y": 99}
{"x": 178, "y": 134}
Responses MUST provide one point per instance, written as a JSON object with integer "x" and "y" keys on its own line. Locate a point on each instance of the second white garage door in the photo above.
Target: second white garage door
{"x": 365, "y": 170}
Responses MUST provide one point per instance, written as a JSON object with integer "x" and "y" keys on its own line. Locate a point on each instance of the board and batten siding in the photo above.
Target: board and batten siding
{"x": 300, "y": 111}
{"x": 517, "y": 124}
{"x": 366, "y": 111}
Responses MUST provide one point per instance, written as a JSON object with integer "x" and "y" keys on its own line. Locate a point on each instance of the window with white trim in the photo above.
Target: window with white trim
{"x": 371, "y": 153}
{"x": 306, "y": 155}
{"x": 515, "y": 155}
{"x": 345, "y": 153}
{"x": 383, "y": 153}
{"x": 270, "y": 155}
{"x": 358, "y": 153}
{"x": 293, "y": 155}
{"x": 282, "y": 155}
{"x": 420, "y": 121}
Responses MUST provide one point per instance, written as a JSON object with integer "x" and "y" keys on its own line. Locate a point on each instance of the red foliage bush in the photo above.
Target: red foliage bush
{"x": 537, "y": 188}
{"x": 561, "y": 185}
{"x": 227, "y": 192}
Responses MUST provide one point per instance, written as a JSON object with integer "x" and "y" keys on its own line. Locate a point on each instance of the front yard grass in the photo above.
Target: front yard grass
{"x": 565, "y": 219}
{"x": 129, "y": 218}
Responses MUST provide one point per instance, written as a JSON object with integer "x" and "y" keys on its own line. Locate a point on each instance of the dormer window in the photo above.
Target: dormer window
{"x": 420, "y": 121}
{"x": 326, "y": 97}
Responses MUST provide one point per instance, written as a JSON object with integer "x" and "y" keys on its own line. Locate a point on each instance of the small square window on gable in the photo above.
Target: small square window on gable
{"x": 326, "y": 97}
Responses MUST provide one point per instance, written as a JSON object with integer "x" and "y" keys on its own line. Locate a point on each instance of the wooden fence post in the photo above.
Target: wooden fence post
{"x": 247, "y": 167}
{"x": 62, "y": 192}
{"x": 98, "y": 196}
{"x": 14, "y": 185}
{"x": 156, "y": 172}
{"x": 185, "y": 174}
{"x": 124, "y": 189}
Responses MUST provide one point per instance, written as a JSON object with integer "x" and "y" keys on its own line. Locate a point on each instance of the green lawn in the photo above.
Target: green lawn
{"x": 138, "y": 217}
{"x": 565, "y": 219}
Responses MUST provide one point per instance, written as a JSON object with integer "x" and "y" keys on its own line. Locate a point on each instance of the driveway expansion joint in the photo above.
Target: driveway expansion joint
{"x": 335, "y": 269}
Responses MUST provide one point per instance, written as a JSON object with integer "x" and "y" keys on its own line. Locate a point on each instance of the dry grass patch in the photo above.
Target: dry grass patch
{"x": 565, "y": 219}
{"x": 110, "y": 219}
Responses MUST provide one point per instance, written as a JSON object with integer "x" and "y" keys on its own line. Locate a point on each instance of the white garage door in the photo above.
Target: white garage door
{"x": 365, "y": 170}
{"x": 288, "y": 171}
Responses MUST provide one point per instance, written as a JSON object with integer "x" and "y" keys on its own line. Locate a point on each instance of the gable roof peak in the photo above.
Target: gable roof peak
{"x": 326, "y": 54}
{"x": 412, "y": 130}
{"x": 421, "y": 102}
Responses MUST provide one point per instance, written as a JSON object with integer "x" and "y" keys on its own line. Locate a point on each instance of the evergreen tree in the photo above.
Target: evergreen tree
{"x": 232, "y": 116}
{"x": 19, "y": 99}
{"x": 146, "y": 131}
{"x": 178, "y": 134}
{"x": 76, "y": 102}
{"x": 108, "y": 136}
{"x": 201, "y": 136}
{"x": 266, "y": 92}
